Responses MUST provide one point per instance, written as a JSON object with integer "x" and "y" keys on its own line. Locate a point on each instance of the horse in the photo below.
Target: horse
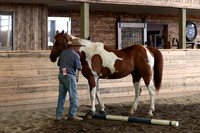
{"x": 101, "y": 62}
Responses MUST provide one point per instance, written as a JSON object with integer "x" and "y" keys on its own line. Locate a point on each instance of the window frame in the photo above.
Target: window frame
{"x": 12, "y": 14}
{"x": 51, "y": 18}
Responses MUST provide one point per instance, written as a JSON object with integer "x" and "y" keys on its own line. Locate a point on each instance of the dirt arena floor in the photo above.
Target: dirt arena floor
{"x": 186, "y": 110}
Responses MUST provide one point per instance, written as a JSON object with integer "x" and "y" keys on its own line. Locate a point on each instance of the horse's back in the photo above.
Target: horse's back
{"x": 131, "y": 58}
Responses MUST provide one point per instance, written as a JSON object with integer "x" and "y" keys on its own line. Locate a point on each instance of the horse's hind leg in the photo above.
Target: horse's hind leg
{"x": 151, "y": 90}
{"x": 99, "y": 98}
{"x": 136, "y": 81}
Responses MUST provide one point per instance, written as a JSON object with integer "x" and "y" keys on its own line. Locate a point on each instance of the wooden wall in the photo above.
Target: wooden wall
{"x": 30, "y": 25}
{"x": 28, "y": 80}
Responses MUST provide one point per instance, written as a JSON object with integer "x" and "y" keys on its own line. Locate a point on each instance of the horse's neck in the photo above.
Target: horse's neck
{"x": 63, "y": 48}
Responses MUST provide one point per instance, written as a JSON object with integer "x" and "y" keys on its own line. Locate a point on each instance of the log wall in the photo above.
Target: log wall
{"x": 28, "y": 80}
{"x": 30, "y": 25}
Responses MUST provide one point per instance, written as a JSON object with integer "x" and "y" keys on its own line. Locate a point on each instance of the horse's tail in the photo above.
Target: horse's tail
{"x": 158, "y": 67}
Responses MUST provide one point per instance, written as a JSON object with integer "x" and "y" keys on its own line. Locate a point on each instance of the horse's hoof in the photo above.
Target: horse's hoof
{"x": 90, "y": 114}
{"x": 150, "y": 113}
{"x": 131, "y": 112}
{"x": 89, "y": 117}
{"x": 103, "y": 112}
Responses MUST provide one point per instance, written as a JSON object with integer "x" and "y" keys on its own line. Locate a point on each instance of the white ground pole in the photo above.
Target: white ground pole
{"x": 133, "y": 119}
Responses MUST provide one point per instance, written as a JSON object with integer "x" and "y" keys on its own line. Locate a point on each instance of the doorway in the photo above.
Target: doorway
{"x": 157, "y": 35}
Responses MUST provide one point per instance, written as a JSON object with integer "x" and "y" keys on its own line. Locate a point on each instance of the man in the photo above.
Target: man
{"x": 68, "y": 62}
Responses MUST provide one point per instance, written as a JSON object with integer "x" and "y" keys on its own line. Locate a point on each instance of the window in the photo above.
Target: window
{"x": 57, "y": 23}
{"x": 130, "y": 33}
{"x": 6, "y": 32}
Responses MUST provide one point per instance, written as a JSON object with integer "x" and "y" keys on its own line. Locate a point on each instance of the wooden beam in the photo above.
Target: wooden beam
{"x": 182, "y": 28}
{"x": 189, "y": 4}
{"x": 84, "y": 20}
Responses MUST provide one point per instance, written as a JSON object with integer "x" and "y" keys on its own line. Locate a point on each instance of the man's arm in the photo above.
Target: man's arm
{"x": 78, "y": 63}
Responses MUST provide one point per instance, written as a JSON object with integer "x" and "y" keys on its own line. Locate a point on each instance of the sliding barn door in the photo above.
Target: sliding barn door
{"x": 131, "y": 33}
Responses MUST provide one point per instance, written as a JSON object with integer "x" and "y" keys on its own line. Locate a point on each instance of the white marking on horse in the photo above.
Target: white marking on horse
{"x": 151, "y": 89}
{"x": 92, "y": 98}
{"x": 137, "y": 97}
{"x": 150, "y": 57}
{"x": 99, "y": 96}
{"x": 92, "y": 48}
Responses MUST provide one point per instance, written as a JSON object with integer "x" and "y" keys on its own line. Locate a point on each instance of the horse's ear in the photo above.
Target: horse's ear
{"x": 68, "y": 37}
{"x": 62, "y": 32}
{"x": 57, "y": 32}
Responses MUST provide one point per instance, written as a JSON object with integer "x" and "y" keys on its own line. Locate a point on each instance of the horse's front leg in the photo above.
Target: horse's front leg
{"x": 92, "y": 85}
{"x": 102, "y": 111}
{"x": 137, "y": 97}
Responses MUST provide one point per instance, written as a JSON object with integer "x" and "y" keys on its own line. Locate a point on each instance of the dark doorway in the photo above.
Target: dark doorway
{"x": 157, "y": 35}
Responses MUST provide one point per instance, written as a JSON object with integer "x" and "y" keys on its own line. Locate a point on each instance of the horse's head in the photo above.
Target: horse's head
{"x": 59, "y": 44}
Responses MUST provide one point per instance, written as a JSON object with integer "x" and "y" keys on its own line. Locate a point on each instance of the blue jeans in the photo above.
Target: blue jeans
{"x": 67, "y": 85}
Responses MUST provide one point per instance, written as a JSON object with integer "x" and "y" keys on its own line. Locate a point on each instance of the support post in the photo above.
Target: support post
{"x": 182, "y": 28}
{"x": 84, "y": 20}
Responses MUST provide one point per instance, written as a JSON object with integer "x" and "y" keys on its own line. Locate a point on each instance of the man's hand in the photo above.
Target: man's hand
{"x": 64, "y": 70}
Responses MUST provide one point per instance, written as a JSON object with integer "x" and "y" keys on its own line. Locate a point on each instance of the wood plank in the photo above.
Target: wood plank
{"x": 36, "y": 101}
{"x": 29, "y": 78}
{"x": 11, "y": 97}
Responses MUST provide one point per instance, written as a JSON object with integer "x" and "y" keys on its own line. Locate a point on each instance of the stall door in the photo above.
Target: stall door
{"x": 131, "y": 33}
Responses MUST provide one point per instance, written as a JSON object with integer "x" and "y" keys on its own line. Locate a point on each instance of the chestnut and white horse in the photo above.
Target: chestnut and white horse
{"x": 99, "y": 61}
